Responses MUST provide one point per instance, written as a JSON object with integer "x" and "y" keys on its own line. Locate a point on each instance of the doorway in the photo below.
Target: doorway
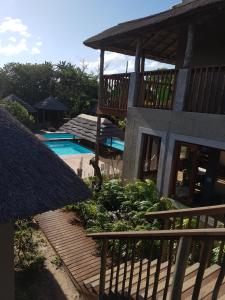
{"x": 198, "y": 177}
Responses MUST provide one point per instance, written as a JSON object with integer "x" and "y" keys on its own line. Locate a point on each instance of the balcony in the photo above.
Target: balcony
{"x": 203, "y": 91}
{"x": 156, "y": 90}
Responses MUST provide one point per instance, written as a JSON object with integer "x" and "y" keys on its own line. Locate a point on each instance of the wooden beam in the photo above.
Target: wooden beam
{"x": 204, "y": 233}
{"x": 137, "y": 69}
{"x": 101, "y": 73}
{"x": 187, "y": 212}
{"x": 189, "y": 46}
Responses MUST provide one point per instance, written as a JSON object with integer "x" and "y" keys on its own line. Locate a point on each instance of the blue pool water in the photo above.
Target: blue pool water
{"x": 57, "y": 136}
{"x": 66, "y": 148}
{"x": 114, "y": 143}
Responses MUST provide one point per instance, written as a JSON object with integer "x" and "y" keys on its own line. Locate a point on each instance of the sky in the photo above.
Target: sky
{"x": 36, "y": 31}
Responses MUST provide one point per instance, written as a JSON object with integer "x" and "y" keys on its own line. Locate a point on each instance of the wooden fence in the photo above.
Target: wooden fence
{"x": 206, "y": 90}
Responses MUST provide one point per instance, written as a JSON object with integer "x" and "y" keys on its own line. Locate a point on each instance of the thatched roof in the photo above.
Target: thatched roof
{"x": 85, "y": 127}
{"x": 33, "y": 179}
{"x": 14, "y": 98}
{"x": 51, "y": 103}
{"x": 160, "y": 32}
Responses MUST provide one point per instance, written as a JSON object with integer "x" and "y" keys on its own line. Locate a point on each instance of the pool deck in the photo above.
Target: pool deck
{"x": 80, "y": 161}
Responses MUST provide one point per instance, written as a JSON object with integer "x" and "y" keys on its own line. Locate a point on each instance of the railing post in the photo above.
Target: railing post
{"x": 180, "y": 267}
{"x": 135, "y": 77}
{"x": 181, "y": 88}
{"x": 103, "y": 270}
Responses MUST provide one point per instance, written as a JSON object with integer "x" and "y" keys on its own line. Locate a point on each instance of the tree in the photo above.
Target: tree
{"x": 19, "y": 112}
{"x": 34, "y": 82}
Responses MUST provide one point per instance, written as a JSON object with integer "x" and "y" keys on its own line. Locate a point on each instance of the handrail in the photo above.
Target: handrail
{"x": 137, "y": 269}
{"x": 161, "y": 234}
{"x": 187, "y": 212}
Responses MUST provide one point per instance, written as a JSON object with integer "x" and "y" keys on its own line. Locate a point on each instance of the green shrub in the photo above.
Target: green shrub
{"x": 19, "y": 112}
{"x": 121, "y": 207}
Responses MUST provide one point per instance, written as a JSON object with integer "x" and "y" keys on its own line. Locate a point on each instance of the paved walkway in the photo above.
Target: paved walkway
{"x": 68, "y": 238}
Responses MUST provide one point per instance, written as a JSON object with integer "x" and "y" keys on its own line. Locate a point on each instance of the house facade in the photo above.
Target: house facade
{"x": 175, "y": 131}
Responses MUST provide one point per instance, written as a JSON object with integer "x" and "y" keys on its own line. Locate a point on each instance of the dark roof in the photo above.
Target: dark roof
{"x": 14, "y": 98}
{"x": 33, "y": 179}
{"x": 85, "y": 127}
{"x": 160, "y": 32}
{"x": 51, "y": 103}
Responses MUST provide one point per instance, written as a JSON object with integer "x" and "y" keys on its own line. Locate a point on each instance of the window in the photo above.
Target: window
{"x": 150, "y": 157}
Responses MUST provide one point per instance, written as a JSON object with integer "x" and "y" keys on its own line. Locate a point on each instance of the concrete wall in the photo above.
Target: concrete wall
{"x": 204, "y": 126}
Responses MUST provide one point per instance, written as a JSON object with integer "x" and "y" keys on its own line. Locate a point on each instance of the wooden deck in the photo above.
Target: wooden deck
{"x": 69, "y": 240}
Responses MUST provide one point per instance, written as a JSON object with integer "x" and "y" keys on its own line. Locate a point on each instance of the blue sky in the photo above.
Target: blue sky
{"x": 54, "y": 30}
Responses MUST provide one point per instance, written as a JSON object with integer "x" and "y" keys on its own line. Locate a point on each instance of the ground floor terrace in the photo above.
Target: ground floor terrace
{"x": 183, "y": 152}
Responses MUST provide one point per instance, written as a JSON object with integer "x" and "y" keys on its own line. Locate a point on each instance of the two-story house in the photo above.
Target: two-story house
{"x": 175, "y": 117}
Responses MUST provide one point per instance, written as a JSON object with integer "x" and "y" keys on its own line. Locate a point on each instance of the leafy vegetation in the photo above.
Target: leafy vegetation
{"x": 26, "y": 253}
{"x": 19, "y": 112}
{"x": 34, "y": 82}
{"x": 121, "y": 207}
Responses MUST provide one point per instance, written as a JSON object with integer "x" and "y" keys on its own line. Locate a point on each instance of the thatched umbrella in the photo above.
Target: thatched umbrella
{"x": 85, "y": 127}
{"x": 14, "y": 98}
{"x": 50, "y": 105}
{"x": 33, "y": 180}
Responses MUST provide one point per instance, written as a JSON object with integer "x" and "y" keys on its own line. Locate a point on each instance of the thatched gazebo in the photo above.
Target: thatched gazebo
{"x": 27, "y": 106}
{"x": 50, "y": 110}
{"x": 85, "y": 127}
{"x": 33, "y": 180}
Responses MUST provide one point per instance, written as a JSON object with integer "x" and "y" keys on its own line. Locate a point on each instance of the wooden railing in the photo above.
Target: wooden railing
{"x": 165, "y": 264}
{"x": 115, "y": 90}
{"x": 157, "y": 89}
{"x": 206, "y": 90}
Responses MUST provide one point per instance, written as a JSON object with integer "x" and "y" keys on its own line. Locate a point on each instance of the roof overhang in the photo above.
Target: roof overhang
{"x": 160, "y": 32}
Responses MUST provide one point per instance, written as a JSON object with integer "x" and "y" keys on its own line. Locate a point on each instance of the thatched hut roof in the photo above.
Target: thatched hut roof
{"x": 33, "y": 179}
{"x": 160, "y": 32}
{"x": 14, "y": 98}
{"x": 85, "y": 127}
{"x": 51, "y": 103}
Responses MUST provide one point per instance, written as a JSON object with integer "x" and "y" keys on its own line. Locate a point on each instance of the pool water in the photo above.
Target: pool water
{"x": 57, "y": 136}
{"x": 66, "y": 148}
{"x": 114, "y": 143}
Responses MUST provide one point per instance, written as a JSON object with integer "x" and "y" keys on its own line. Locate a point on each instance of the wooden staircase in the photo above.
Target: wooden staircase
{"x": 208, "y": 283}
{"x": 176, "y": 262}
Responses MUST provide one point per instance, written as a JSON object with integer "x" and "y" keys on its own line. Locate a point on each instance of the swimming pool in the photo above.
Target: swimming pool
{"x": 62, "y": 148}
{"x": 114, "y": 143}
{"x": 58, "y": 136}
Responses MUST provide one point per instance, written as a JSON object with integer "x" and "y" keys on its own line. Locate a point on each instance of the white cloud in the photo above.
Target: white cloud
{"x": 118, "y": 63}
{"x": 13, "y": 48}
{"x": 38, "y": 43}
{"x": 14, "y": 25}
{"x": 35, "y": 50}
{"x": 13, "y": 39}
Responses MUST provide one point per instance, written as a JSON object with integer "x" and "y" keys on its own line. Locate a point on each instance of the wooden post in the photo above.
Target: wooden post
{"x": 101, "y": 73}
{"x": 103, "y": 270}
{"x": 137, "y": 71}
{"x": 189, "y": 46}
{"x": 142, "y": 64}
{"x": 7, "y": 278}
{"x": 180, "y": 267}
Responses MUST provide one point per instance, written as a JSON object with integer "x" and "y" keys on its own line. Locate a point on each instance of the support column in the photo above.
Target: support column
{"x": 135, "y": 77}
{"x": 7, "y": 278}
{"x": 101, "y": 73}
{"x": 183, "y": 75}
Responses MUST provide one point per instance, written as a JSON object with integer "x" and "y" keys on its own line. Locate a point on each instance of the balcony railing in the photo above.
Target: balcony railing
{"x": 115, "y": 94}
{"x": 185, "y": 262}
{"x": 206, "y": 90}
{"x": 157, "y": 89}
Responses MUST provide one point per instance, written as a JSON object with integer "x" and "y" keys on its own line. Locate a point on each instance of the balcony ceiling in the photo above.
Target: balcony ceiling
{"x": 160, "y": 32}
